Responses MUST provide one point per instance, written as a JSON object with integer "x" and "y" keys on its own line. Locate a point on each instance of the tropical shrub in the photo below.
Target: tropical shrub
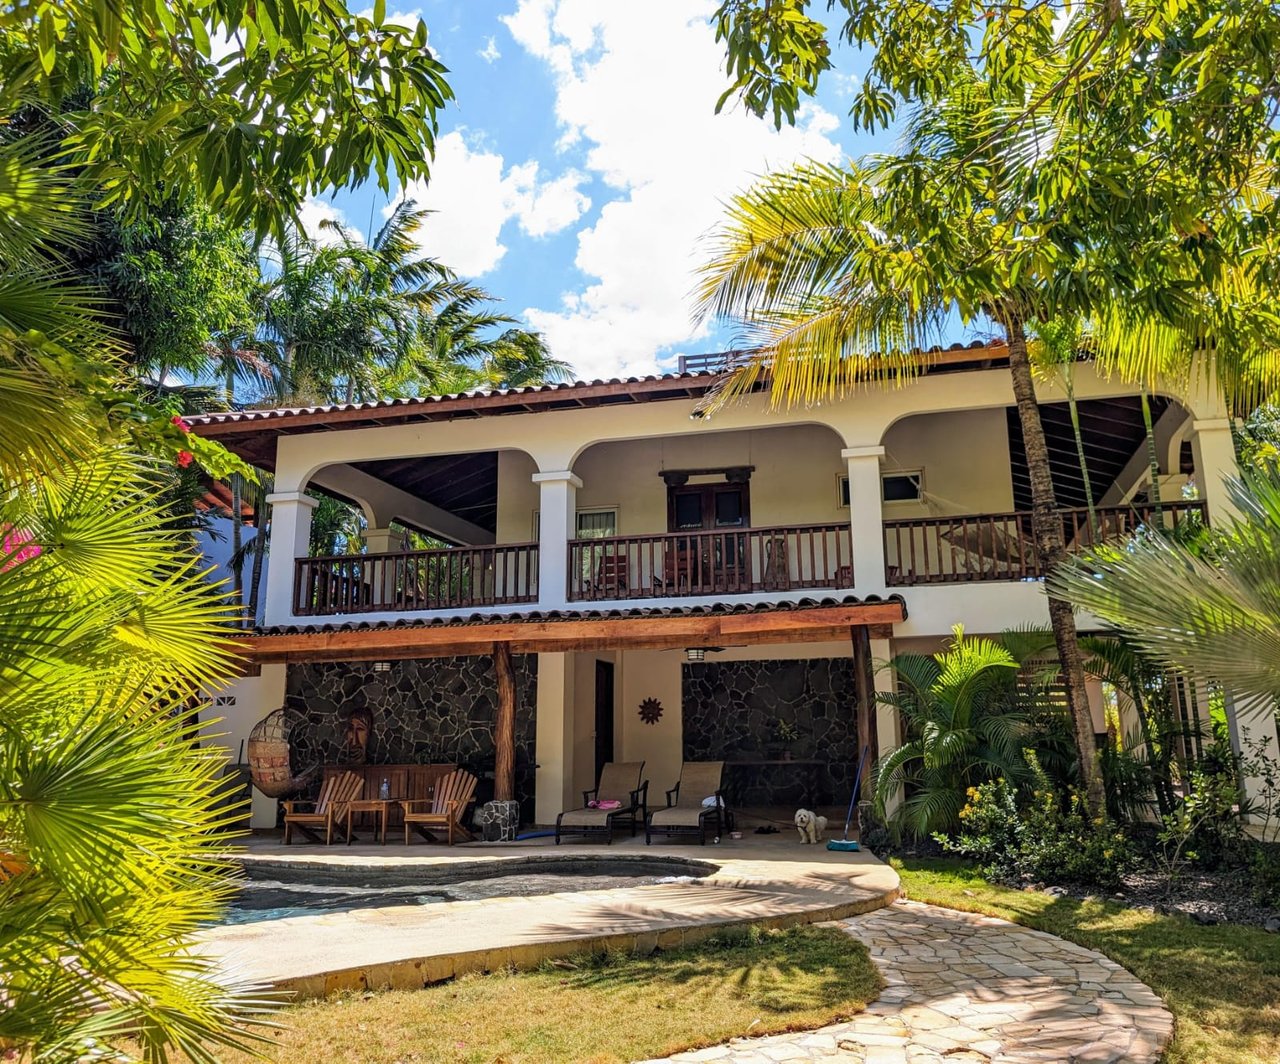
{"x": 1044, "y": 837}
{"x": 113, "y": 828}
{"x": 963, "y": 723}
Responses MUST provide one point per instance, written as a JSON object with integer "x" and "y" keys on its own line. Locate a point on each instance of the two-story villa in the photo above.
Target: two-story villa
{"x": 670, "y": 585}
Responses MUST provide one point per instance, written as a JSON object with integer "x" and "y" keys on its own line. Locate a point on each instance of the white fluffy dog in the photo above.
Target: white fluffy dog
{"x": 810, "y": 825}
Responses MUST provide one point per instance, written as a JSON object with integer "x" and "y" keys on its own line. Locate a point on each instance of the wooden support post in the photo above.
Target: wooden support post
{"x": 864, "y": 686}
{"x": 504, "y": 726}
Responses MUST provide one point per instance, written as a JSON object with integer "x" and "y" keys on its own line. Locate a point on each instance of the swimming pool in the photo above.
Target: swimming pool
{"x": 277, "y": 891}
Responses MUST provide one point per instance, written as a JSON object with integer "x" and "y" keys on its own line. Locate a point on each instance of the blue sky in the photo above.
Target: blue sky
{"x": 582, "y": 162}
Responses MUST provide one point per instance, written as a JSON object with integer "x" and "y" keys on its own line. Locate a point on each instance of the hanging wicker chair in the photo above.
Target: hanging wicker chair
{"x": 269, "y": 758}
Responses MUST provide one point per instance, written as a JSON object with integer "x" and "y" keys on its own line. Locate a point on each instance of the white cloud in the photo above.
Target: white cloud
{"x": 474, "y": 194}
{"x": 313, "y": 212}
{"x": 489, "y": 53}
{"x": 636, "y": 86}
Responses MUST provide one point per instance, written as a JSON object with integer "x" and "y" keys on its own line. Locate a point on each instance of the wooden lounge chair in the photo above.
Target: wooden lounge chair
{"x": 448, "y": 805}
{"x": 685, "y": 813}
{"x": 619, "y": 781}
{"x": 327, "y": 810}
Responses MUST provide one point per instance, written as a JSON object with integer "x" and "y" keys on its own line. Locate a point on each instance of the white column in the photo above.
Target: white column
{"x": 1253, "y": 735}
{"x": 290, "y": 539}
{"x": 1215, "y": 455}
{"x": 381, "y": 540}
{"x": 556, "y": 514}
{"x": 888, "y": 722}
{"x": 553, "y": 781}
{"x": 383, "y": 575}
{"x": 866, "y": 518}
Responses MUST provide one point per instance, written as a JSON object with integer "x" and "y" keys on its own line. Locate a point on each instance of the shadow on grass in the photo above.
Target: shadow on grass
{"x": 778, "y": 972}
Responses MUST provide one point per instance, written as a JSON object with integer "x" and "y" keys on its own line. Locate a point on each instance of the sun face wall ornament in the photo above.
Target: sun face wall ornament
{"x": 651, "y": 711}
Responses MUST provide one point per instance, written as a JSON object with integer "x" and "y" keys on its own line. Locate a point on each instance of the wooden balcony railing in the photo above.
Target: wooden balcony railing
{"x": 452, "y": 578}
{"x": 948, "y": 550}
{"x": 722, "y": 562}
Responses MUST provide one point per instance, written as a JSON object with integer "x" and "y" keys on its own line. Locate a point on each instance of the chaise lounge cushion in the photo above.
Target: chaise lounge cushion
{"x": 619, "y": 780}
{"x": 699, "y": 781}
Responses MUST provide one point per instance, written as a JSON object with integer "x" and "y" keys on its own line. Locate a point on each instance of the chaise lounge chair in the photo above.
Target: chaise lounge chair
{"x": 329, "y": 808}
{"x": 619, "y": 782}
{"x": 449, "y": 803}
{"x": 686, "y": 813}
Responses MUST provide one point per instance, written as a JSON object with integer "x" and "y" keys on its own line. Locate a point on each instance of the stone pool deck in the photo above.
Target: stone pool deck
{"x": 770, "y": 879}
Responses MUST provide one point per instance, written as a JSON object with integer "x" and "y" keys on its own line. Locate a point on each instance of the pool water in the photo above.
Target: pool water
{"x": 276, "y": 899}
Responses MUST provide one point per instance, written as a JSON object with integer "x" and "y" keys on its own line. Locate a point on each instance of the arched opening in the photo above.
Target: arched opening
{"x": 416, "y": 533}
{"x": 960, "y": 508}
{"x": 711, "y": 513}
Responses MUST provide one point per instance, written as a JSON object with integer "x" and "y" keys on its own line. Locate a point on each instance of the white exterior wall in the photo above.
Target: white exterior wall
{"x": 965, "y": 458}
{"x": 235, "y": 709}
{"x": 617, "y": 453}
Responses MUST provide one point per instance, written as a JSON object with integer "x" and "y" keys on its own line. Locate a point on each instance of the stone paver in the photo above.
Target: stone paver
{"x": 968, "y": 989}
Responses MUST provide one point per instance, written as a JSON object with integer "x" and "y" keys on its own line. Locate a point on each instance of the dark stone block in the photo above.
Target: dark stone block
{"x": 729, "y": 711}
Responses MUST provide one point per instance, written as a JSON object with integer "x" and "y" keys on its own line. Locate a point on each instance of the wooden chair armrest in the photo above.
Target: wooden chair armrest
{"x": 291, "y": 804}
{"x": 407, "y": 804}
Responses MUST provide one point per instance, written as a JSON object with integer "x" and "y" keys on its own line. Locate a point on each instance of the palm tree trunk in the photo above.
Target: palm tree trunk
{"x": 1051, "y": 547}
{"x": 263, "y": 523}
{"x": 1153, "y": 459}
{"x": 237, "y": 541}
{"x": 1084, "y": 463}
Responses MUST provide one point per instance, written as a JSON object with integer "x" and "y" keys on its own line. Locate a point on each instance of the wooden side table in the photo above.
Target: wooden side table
{"x": 381, "y": 806}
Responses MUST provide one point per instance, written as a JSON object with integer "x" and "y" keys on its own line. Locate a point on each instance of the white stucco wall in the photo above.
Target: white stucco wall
{"x": 965, "y": 458}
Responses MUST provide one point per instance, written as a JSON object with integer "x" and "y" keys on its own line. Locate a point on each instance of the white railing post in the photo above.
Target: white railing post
{"x": 866, "y": 518}
{"x": 290, "y": 540}
{"x": 557, "y": 512}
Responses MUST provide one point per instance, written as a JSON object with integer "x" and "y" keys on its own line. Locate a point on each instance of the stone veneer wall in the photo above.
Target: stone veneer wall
{"x": 425, "y": 710}
{"x": 729, "y": 710}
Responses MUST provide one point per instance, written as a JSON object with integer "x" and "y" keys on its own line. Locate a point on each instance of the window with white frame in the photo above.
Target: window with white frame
{"x": 595, "y": 523}
{"x": 901, "y": 485}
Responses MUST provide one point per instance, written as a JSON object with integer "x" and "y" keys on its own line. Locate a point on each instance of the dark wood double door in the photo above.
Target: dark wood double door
{"x": 710, "y": 556}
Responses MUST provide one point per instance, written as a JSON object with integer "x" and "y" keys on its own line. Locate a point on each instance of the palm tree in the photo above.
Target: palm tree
{"x": 838, "y": 276}
{"x": 1212, "y": 609}
{"x": 964, "y": 724}
{"x": 113, "y": 835}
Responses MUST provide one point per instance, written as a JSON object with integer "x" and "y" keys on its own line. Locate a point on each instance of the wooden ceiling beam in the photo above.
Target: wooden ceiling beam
{"x": 638, "y": 633}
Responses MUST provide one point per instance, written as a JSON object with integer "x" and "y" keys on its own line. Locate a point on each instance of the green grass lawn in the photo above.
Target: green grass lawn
{"x": 1222, "y": 983}
{"x": 601, "y": 1009}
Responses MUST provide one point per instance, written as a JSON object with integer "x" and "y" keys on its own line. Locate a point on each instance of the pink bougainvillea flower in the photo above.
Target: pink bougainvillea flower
{"x": 177, "y": 420}
{"x": 16, "y": 547}
{"x": 185, "y": 458}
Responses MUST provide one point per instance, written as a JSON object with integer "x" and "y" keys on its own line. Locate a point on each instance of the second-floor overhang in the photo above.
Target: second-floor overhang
{"x": 532, "y": 632}
{"x": 253, "y": 434}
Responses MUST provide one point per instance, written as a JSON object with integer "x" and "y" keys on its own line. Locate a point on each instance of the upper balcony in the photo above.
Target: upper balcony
{"x": 600, "y": 501}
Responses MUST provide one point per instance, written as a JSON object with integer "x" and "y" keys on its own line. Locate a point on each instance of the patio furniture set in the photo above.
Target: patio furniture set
{"x": 695, "y": 805}
{"x": 341, "y": 799}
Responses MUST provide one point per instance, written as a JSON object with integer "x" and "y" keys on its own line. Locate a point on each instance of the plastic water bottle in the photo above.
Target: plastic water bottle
{"x": 384, "y": 789}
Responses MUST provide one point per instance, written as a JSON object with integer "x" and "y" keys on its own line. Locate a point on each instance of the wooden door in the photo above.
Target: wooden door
{"x": 604, "y": 714}
{"x": 712, "y": 558}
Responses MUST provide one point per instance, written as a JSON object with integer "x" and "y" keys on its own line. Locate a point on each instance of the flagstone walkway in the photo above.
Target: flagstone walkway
{"x": 969, "y": 989}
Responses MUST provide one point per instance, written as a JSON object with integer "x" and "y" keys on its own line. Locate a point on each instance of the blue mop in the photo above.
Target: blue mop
{"x": 844, "y": 842}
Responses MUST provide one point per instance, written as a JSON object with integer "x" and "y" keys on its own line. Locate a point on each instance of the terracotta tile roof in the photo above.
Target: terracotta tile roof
{"x": 717, "y": 609}
{"x": 493, "y": 400}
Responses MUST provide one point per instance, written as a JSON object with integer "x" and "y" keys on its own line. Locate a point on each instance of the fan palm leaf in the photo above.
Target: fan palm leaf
{"x": 1213, "y": 611}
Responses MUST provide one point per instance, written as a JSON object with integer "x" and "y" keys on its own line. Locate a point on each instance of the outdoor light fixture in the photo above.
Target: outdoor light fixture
{"x": 382, "y": 666}
{"x": 695, "y": 654}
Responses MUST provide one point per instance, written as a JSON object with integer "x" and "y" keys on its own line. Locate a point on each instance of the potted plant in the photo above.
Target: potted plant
{"x": 784, "y": 734}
